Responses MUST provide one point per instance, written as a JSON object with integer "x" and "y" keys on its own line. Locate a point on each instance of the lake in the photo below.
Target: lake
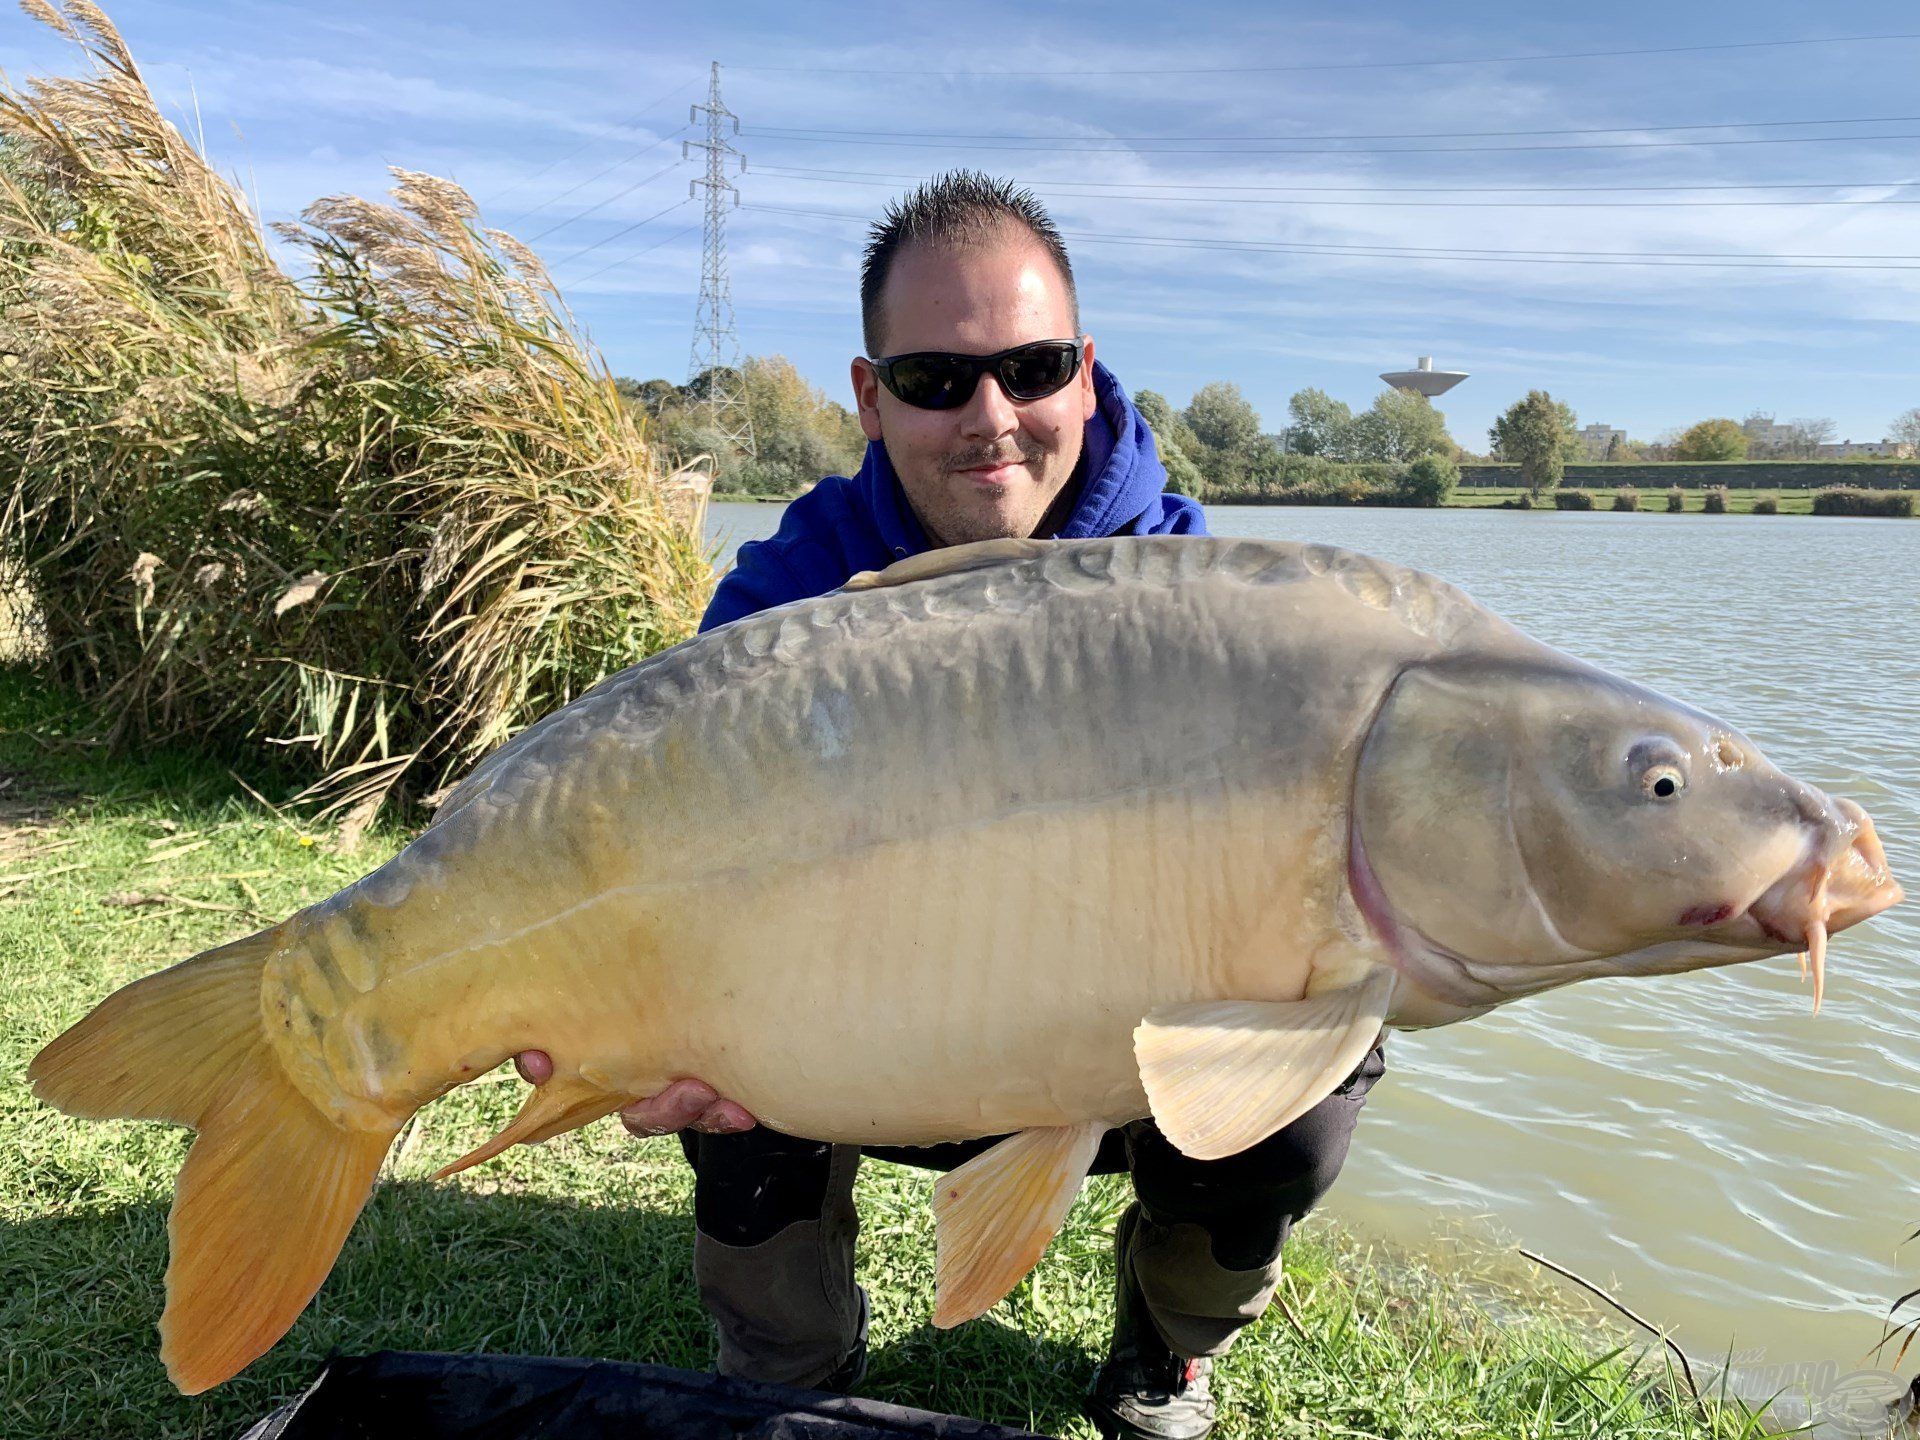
{"x": 1731, "y": 1166}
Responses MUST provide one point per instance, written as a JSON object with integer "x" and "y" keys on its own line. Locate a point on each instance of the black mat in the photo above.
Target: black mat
{"x": 511, "y": 1397}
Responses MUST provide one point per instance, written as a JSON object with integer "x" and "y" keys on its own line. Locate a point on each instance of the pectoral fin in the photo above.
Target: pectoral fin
{"x": 560, "y": 1105}
{"x": 995, "y": 1214}
{"x": 1222, "y": 1075}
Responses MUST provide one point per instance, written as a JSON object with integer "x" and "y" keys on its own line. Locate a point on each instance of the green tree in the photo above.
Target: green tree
{"x": 1222, "y": 419}
{"x": 799, "y": 434}
{"x": 1534, "y": 434}
{"x": 1226, "y": 432}
{"x": 653, "y": 397}
{"x": 1175, "y": 441}
{"x": 1712, "y": 440}
{"x": 1319, "y": 425}
{"x": 1400, "y": 425}
{"x": 1429, "y": 480}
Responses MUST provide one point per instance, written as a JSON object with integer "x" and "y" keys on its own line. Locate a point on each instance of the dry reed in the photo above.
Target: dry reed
{"x": 376, "y": 514}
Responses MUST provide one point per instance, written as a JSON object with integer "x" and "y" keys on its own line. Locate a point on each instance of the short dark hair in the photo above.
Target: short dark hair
{"x": 960, "y": 207}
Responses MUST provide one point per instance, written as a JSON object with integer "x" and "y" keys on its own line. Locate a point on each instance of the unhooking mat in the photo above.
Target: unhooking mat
{"x": 512, "y": 1397}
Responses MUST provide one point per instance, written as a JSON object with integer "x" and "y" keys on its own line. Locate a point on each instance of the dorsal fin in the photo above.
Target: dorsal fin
{"x": 948, "y": 561}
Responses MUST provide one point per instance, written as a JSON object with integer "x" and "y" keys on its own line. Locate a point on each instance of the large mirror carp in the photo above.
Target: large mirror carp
{"x": 1027, "y": 838}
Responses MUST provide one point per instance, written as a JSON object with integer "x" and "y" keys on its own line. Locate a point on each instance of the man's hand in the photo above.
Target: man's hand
{"x": 682, "y": 1104}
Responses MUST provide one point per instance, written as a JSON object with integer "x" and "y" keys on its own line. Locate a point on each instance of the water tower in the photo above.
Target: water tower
{"x": 1424, "y": 378}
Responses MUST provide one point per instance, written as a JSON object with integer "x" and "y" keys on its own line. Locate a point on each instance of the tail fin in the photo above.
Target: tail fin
{"x": 271, "y": 1186}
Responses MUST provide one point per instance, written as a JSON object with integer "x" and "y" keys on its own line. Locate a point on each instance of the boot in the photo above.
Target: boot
{"x": 1145, "y": 1391}
{"x": 852, "y": 1369}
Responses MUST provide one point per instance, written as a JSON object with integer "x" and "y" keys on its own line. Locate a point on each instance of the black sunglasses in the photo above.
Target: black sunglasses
{"x": 938, "y": 380}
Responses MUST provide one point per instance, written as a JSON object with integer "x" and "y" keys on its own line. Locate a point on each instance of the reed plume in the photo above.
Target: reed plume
{"x": 374, "y": 510}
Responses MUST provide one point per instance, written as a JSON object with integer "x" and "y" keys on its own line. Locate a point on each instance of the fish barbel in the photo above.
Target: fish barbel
{"x": 1028, "y": 837}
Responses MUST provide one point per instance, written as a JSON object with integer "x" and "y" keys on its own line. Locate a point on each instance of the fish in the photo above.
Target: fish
{"x": 1020, "y": 838}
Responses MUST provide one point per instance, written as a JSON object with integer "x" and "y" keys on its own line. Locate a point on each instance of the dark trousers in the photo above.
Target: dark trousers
{"x": 775, "y": 1223}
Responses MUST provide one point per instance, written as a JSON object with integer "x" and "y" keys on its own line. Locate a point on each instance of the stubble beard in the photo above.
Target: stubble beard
{"x": 961, "y": 514}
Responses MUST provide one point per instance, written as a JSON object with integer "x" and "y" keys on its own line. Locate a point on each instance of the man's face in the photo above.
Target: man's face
{"x": 995, "y": 466}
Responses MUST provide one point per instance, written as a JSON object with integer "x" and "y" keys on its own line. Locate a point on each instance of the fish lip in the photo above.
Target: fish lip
{"x": 1839, "y": 880}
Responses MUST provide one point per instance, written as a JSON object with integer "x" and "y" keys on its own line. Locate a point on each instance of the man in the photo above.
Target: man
{"x": 987, "y": 416}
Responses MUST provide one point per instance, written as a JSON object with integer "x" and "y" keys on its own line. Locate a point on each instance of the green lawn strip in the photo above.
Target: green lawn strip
{"x": 582, "y": 1246}
{"x": 1652, "y": 502}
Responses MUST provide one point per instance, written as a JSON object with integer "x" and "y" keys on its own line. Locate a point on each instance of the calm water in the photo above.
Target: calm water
{"x": 1735, "y": 1168}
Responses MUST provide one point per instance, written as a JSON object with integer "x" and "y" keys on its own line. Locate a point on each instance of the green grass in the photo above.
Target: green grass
{"x": 582, "y": 1246}
{"x": 1652, "y": 501}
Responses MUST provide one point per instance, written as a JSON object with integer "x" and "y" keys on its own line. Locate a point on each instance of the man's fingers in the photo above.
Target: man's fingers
{"x": 684, "y": 1104}
{"x": 723, "y": 1117}
{"x": 674, "y": 1108}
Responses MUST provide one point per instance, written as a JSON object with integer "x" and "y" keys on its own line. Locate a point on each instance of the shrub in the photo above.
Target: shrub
{"x": 1626, "y": 498}
{"x": 1713, "y": 500}
{"x": 1428, "y": 481}
{"x": 1849, "y": 500}
{"x": 1676, "y": 500}
{"x": 372, "y": 521}
{"x": 1525, "y": 502}
{"x": 1273, "y": 478}
{"x": 1572, "y": 500}
{"x": 1766, "y": 505}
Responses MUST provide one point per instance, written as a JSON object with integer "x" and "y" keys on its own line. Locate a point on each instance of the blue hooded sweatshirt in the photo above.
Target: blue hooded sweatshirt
{"x": 845, "y": 525}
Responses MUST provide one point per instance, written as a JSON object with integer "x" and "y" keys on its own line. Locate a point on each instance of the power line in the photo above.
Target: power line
{"x": 619, "y": 234}
{"x": 1046, "y": 187}
{"x": 617, "y": 195}
{"x": 803, "y": 130}
{"x": 1340, "y": 65}
{"x": 915, "y": 177}
{"x": 1055, "y": 148}
{"x": 635, "y": 255}
{"x": 599, "y": 175}
{"x": 1651, "y": 258}
{"x": 634, "y": 119}
{"x": 1760, "y": 263}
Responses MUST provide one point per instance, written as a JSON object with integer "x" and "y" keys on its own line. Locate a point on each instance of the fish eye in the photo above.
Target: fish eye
{"x": 1663, "y": 782}
{"x": 1658, "y": 766}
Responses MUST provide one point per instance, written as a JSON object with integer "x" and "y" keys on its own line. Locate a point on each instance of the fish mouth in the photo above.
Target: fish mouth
{"x": 1841, "y": 880}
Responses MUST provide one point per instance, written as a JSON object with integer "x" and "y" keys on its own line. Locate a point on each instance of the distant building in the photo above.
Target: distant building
{"x": 1883, "y": 449}
{"x": 1598, "y": 439}
{"x": 1424, "y": 378}
{"x": 1768, "y": 437}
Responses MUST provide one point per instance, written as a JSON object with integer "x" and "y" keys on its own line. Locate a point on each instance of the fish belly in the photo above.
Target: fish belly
{"x": 967, "y": 983}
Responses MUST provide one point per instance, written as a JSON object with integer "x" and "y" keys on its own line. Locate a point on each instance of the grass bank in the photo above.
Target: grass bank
{"x": 112, "y": 867}
{"x": 1652, "y": 502}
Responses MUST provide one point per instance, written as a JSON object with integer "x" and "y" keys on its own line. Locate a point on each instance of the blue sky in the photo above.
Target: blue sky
{"x": 565, "y": 118}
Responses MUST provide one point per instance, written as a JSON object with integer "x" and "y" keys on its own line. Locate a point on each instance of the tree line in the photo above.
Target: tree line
{"x": 1214, "y": 448}
{"x": 799, "y": 434}
{"x": 1397, "y": 450}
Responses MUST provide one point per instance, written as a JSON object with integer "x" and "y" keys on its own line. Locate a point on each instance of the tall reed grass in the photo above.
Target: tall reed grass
{"x": 375, "y": 510}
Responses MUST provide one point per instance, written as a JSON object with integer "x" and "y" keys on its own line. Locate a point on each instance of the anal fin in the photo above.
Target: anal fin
{"x": 995, "y": 1215}
{"x": 564, "y": 1103}
{"x": 1222, "y": 1075}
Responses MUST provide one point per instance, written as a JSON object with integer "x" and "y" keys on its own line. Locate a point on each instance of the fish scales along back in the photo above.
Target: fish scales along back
{"x": 794, "y": 742}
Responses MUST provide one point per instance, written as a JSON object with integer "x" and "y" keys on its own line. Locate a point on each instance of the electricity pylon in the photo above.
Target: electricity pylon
{"x": 716, "y": 341}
